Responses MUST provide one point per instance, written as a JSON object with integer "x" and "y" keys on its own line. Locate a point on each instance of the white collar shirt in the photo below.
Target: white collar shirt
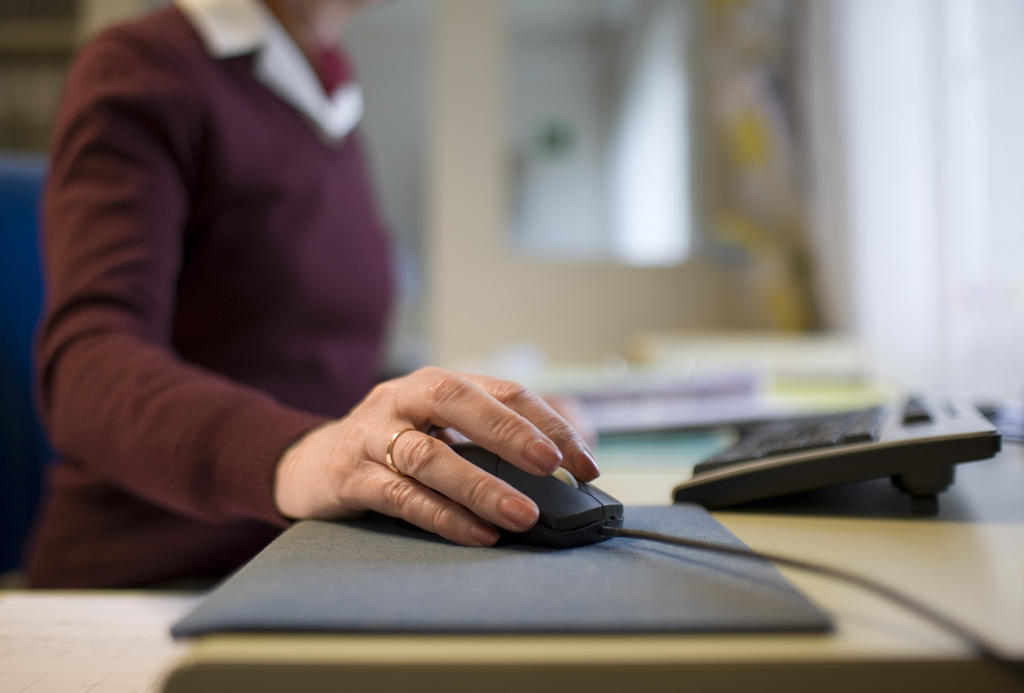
{"x": 229, "y": 28}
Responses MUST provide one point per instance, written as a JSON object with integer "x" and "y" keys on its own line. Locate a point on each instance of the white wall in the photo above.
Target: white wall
{"x": 922, "y": 205}
{"x": 560, "y": 207}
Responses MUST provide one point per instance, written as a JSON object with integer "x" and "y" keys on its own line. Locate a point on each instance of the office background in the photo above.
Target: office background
{"x": 848, "y": 167}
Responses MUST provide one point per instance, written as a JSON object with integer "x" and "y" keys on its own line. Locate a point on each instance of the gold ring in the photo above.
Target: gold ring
{"x": 391, "y": 460}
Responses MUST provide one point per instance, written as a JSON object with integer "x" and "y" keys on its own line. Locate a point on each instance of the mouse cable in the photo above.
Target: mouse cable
{"x": 979, "y": 644}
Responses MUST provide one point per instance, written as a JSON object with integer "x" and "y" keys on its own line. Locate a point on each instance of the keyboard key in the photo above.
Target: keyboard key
{"x": 865, "y": 427}
{"x": 914, "y": 411}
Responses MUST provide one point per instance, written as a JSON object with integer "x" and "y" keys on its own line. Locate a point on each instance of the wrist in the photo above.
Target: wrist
{"x": 291, "y": 495}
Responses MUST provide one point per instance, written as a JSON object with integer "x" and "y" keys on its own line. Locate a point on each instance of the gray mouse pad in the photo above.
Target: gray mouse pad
{"x": 382, "y": 576}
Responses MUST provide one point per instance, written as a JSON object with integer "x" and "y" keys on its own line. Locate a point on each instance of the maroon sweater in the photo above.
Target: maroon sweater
{"x": 218, "y": 284}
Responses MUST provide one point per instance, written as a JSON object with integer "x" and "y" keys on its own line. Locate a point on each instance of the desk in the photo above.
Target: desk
{"x": 88, "y": 642}
{"x": 968, "y": 561}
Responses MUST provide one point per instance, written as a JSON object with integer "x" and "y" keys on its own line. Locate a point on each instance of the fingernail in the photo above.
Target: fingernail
{"x": 543, "y": 455}
{"x": 521, "y": 513}
{"x": 483, "y": 534}
{"x": 587, "y": 466}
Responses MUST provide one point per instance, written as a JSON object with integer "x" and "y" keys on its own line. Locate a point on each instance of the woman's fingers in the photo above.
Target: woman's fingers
{"x": 407, "y": 498}
{"x": 433, "y": 397}
{"x": 502, "y": 416}
{"x": 576, "y": 453}
{"x": 435, "y": 465}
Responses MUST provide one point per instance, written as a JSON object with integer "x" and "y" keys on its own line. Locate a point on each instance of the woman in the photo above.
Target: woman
{"x": 218, "y": 289}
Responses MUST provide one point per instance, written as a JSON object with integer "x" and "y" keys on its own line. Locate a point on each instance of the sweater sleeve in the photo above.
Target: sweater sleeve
{"x": 115, "y": 396}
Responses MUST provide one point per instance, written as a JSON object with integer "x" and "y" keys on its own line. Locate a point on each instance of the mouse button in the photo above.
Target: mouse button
{"x": 561, "y": 507}
{"x": 612, "y": 507}
{"x": 482, "y": 458}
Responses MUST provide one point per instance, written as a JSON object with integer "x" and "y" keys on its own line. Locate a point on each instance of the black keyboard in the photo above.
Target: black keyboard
{"x": 917, "y": 442}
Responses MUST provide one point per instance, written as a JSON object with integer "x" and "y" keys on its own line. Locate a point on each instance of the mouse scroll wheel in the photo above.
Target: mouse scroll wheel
{"x": 565, "y": 477}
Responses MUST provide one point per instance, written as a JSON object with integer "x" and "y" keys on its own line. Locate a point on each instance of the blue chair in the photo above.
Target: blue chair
{"x": 23, "y": 447}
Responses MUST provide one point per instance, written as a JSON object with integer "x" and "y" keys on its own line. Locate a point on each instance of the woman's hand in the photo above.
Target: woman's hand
{"x": 339, "y": 470}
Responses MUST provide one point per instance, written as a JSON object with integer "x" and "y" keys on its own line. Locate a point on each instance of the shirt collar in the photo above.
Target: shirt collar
{"x": 229, "y": 28}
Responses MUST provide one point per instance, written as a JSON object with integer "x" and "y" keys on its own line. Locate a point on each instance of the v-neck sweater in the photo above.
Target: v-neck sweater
{"x": 218, "y": 284}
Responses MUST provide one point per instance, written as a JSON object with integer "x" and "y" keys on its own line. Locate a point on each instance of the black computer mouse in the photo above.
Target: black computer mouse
{"x": 571, "y": 514}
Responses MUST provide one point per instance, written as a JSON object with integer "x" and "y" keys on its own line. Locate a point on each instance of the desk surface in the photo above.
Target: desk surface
{"x": 968, "y": 562}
